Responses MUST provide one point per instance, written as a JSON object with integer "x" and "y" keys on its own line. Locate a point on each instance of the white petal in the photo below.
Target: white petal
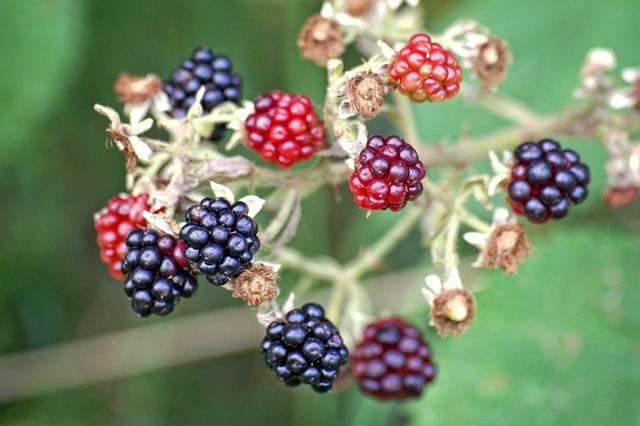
{"x": 222, "y": 191}
{"x": 478, "y": 239}
{"x": 453, "y": 280}
{"x": 110, "y": 113}
{"x": 630, "y": 75}
{"x": 327, "y": 10}
{"x": 160, "y": 101}
{"x": 255, "y": 204}
{"x": 433, "y": 283}
{"x": 622, "y": 99}
{"x": 141, "y": 149}
{"x": 387, "y": 50}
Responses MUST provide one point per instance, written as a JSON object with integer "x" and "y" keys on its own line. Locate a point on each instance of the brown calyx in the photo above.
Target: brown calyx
{"x": 358, "y": 7}
{"x": 453, "y": 311}
{"x": 365, "y": 93}
{"x": 256, "y": 285}
{"x": 320, "y": 39}
{"x": 507, "y": 247}
{"x": 620, "y": 197}
{"x": 134, "y": 90}
{"x": 492, "y": 63}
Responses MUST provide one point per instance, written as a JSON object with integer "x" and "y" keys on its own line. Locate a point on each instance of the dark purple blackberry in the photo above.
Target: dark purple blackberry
{"x": 156, "y": 274}
{"x": 220, "y": 239}
{"x": 546, "y": 181}
{"x": 392, "y": 361}
{"x": 305, "y": 348}
{"x": 203, "y": 69}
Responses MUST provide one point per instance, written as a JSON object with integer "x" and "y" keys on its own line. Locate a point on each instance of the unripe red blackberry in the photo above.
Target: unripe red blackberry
{"x": 425, "y": 71}
{"x": 546, "y": 181}
{"x": 305, "y": 348}
{"x": 387, "y": 174}
{"x": 157, "y": 275}
{"x": 220, "y": 239}
{"x": 392, "y": 361}
{"x": 213, "y": 72}
{"x": 122, "y": 214}
{"x": 285, "y": 128}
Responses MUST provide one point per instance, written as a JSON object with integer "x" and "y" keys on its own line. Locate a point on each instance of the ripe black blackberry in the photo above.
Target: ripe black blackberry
{"x": 305, "y": 348}
{"x": 157, "y": 276}
{"x": 392, "y": 361}
{"x": 203, "y": 68}
{"x": 220, "y": 239}
{"x": 547, "y": 181}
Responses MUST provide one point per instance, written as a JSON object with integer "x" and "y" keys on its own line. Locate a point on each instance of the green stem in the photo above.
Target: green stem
{"x": 475, "y": 222}
{"x": 384, "y": 244}
{"x": 405, "y": 119}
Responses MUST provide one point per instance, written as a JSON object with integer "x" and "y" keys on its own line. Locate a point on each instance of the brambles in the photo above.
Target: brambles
{"x": 221, "y": 239}
{"x": 220, "y": 235}
{"x": 387, "y": 174}
{"x": 547, "y": 181}
{"x": 285, "y": 128}
{"x": 213, "y": 72}
{"x": 425, "y": 71}
{"x": 305, "y": 348}
{"x": 122, "y": 214}
{"x": 392, "y": 361}
{"x": 157, "y": 276}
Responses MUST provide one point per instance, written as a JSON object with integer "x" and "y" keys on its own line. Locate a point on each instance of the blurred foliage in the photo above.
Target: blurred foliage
{"x": 557, "y": 345}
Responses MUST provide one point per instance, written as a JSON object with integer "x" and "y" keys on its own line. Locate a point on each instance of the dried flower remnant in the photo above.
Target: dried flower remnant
{"x": 256, "y": 285}
{"x": 358, "y": 7}
{"x": 365, "y": 93}
{"x": 134, "y": 89}
{"x": 627, "y": 97}
{"x": 492, "y": 63}
{"x": 507, "y": 246}
{"x": 620, "y": 197}
{"x": 320, "y": 39}
{"x": 453, "y": 308}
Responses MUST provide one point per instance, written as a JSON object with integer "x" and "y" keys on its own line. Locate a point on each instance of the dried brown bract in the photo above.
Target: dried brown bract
{"x": 365, "y": 93}
{"x": 124, "y": 144}
{"x": 134, "y": 90}
{"x": 620, "y": 197}
{"x": 320, "y": 39}
{"x": 492, "y": 63}
{"x": 453, "y": 311}
{"x": 256, "y": 285}
{"x": 358, "y": 7}
{"x": 507, "y": 247}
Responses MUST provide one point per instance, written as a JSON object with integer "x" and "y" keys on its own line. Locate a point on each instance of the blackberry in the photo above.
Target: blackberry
{"x": 122, "y": 214}
{"x": 392, "y": 361}
{"x": 387, "y": 174}
{"x": 425, "y": 71}
{"x": 305, "y": 348}
{"x": 285, "y": 128}
{"x": 220, "y": 239}
{"x": 546, "y": 181}
{"x": 203, "y": 68}
{"x": 157, "y": 275}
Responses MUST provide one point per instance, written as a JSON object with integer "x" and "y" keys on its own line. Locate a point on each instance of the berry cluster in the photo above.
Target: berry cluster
{"x": 220, "y": 238}
{"x": 546, "y": 181}
{"x": 425, "y": 71}
{"x": 203, "y": 68}
{"x": 122, "y": 214}
{"x": 157, "y": 275}
{"x": 285, "y": 128}
{"x": 393, "y": 361}
{"x": 306, "y": 348}
{"x": 387, "y": 174}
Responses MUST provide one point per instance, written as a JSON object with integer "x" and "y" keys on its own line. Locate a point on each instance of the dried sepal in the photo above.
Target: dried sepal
{"x": 223, "y": 192}
{"x": 256, "y": 285}
{"x": 320, "y": 39}
{"x": 492, "y": 63}
{"x": 507, "y": 247}
{"x": 452, "y": 307}
{"x": 620, "y": 197}
{"x": 162, "y": 223}
{"x": 135, "y": 90}
{"x": 453, "y": 312}
{"x": 269, "y": 312}
{"x": 365, "y": 93}
{"x": 254, "y": 203}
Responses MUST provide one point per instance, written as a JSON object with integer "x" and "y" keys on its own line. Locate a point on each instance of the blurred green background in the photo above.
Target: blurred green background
{"x": 558, "y": 344}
